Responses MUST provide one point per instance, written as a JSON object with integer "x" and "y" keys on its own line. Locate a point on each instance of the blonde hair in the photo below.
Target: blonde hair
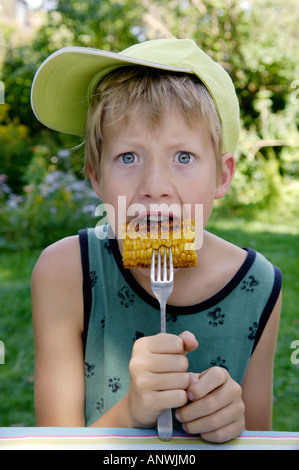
{"x": 150, "y": 92}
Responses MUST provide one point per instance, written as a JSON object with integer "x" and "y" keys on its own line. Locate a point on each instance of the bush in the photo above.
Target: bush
{"x": 56, "y": 204}
{"x": 256, "y": 186}
{"x": 15, "y": 147}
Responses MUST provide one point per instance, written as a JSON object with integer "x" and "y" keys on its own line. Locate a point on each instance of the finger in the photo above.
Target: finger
{"x": 226, "y": 433}
{"x": 207, "y": 405}
{"x": 169, "y": 399}
{"x": 224, "y": 425}
{"x": 189, "y": 340}
{"x": 161, "y": 363}
{"x": 193, "y": 377}
{"x": 162, "y": 343}
{"x": 170, "y": 381}
{"x": 208, "y": 381}
{"x": 228, "y": 398}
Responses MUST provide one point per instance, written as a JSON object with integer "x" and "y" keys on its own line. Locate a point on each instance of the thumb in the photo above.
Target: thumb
{"x": 189, "y": 340}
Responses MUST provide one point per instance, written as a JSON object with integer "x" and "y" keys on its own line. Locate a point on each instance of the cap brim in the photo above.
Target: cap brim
{"x": 59, "y": 95}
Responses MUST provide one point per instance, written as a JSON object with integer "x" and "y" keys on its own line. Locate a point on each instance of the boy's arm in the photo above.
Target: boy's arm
{"x": 220, "y": 409}
{"x": 257, "y": 387}
{"x": 57, "y": 307}
{"x": 158, "y": 380}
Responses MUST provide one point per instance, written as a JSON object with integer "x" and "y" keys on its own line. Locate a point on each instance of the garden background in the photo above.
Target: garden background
{"x": 44, "y": 197}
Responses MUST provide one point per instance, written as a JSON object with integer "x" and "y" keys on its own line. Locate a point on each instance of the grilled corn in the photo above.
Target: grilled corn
{"x": 141, "y": 239}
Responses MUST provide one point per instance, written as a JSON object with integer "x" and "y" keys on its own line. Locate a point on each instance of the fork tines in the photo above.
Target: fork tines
{"x": 165, "y": 277}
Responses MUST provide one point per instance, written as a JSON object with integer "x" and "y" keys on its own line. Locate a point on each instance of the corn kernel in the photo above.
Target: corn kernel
{"x": 138, "y": 246}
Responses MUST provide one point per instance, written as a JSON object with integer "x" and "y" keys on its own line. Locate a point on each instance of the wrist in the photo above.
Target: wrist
{"x": 118, "y": 416}
{"x": 137, "y": 416}
{"x": 128, "y": 415}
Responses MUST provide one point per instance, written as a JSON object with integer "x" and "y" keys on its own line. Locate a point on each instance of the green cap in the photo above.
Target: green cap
{"x": 64, "y": 82}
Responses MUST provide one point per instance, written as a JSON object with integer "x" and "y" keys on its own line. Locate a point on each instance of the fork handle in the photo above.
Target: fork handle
{"x": 165, "y": 418}
{"x": 165, "y": 425}
{"x": 163, "y": 317}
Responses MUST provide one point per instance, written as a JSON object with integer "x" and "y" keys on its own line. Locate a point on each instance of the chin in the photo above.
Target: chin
{"x": 146, "y": 272}
{"x": 143, "y": 271}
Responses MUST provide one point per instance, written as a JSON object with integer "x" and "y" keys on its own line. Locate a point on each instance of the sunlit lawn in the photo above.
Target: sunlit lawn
{"x": 16, "y": 375}
{"x": 282, "y": 249}
{"x": 276, "y": 239}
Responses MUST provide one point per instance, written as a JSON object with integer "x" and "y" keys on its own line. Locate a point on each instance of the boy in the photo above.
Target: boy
{"x": 162, "y": 123}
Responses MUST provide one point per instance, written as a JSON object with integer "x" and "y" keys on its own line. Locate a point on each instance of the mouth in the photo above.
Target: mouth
{"x": 157, "y": 224}
{"x": 155, "y": 216}
{"x": 148, "y": 232}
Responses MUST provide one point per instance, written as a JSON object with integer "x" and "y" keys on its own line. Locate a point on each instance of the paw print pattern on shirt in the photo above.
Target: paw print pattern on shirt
{"x": 138, "y": 334}
{"x": 249, "y": 284}
{"x": 218, "y": 362}
{"x": 100, "y": 405}
{"x": 252, "y": 331}
{"x": 114, "y": 384}
{"x": 93, "y": 278}
{"x": 171, "y": 317}
{"x": 108, "y": 247}
{"x": 217, "y": 318}
{"x": 126, "y": 296}
{"x": 89, "y": 370}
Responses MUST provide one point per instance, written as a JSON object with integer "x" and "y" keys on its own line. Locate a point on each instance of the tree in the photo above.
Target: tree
{"x": 106, "y": 24}
{"x": 261, "y": 59}
{"x": 255, "y": 41}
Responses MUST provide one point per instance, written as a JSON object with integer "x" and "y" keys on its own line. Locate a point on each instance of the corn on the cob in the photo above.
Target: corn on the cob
{"x": 140, "y": 241}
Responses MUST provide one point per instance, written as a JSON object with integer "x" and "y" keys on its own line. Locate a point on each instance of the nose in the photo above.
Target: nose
{"x": 156, "y": 183}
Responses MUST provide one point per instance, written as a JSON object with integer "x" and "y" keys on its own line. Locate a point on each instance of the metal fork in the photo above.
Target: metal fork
{"x": 162, "y": 288}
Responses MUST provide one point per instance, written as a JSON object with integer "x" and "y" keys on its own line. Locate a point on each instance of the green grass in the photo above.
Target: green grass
{"x": 282, "y": 249}
{"x": 16, "y": 375}
{"x": 276, "y": 235}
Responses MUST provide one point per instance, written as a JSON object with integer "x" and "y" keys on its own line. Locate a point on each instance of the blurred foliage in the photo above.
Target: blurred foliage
{"x": 105, "y": 24}
{"x": 241, "y": 37}
{"x": 255, "y": 41}
{"x": 56, "y": 203}
{"x": 15, "y": 147}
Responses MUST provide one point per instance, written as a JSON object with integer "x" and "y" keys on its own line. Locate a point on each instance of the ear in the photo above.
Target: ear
{"x": 226, "y": 176}
{"x": 95, "y": 181}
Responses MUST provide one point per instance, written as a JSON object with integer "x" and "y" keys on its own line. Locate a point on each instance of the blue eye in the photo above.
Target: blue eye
{"x": 128, "y": 158}
{"x": 184, "y": 158}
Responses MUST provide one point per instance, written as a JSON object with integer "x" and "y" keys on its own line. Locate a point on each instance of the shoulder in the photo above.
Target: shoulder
{"x": 220, "y": 262}
{"x": 57, "y": 281}
{"x": 229, "y": 258}
{"x": 59, "y": 257}
{"x": 222, "y": 259}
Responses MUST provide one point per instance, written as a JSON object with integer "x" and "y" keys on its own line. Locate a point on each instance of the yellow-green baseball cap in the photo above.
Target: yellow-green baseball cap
{"x": 64, "y": 82}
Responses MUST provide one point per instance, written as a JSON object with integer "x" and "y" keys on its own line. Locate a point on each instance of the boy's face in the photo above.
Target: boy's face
{"x": 172, "y": 164}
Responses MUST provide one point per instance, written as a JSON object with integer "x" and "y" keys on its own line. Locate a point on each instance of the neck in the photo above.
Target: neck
{"x": 184, "y": 278}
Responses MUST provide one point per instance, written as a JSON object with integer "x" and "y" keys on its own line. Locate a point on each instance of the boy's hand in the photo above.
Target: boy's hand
{"x": 158, "y": 376}
{"x": 216, "y": 411}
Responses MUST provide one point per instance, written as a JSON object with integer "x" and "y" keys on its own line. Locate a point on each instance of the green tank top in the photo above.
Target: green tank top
{"x": 118, "y": 311}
